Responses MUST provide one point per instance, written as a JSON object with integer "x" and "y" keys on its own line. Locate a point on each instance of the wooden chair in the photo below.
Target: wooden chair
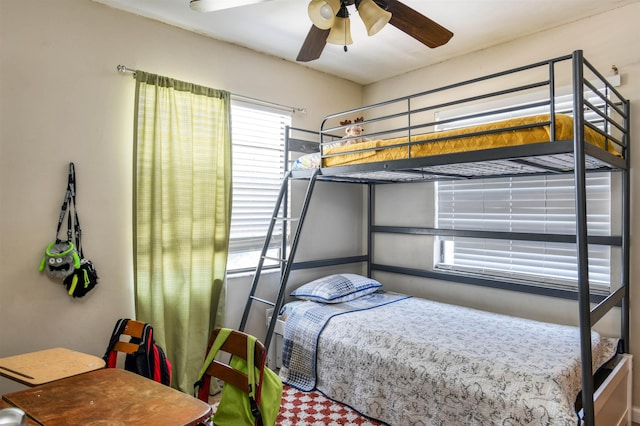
{"x": 131, "y": 329}
{"x": 235, "y": 345}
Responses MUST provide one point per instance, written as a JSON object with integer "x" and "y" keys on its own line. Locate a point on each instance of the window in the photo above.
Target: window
{"x": 257, "y": 133}
{"x": 531, "y": 204}
{"x": 523, "y": 204}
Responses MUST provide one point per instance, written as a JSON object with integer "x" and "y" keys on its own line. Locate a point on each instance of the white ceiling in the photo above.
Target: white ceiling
{"x": 278, "y": 28}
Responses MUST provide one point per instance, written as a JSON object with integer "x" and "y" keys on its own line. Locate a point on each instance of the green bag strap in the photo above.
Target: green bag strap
{"x": 251, "y": 376}
{"x": 222, "y": 336}
{"x": 251, "y": 370}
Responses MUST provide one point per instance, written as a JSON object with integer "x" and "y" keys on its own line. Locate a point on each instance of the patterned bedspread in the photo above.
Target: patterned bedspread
{"x": 302, "y": 330}
{"x": 419, "y": 362}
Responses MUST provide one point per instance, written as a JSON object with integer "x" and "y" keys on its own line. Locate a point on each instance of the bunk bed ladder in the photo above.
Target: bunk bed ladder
{"x": 287, "y": 256}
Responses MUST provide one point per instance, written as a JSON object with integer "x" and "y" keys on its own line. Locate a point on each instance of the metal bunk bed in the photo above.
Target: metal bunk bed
{"x": 595, "y": 106}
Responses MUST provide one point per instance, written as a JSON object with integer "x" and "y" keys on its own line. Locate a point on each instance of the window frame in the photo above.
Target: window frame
{"x": 244, "y": 252}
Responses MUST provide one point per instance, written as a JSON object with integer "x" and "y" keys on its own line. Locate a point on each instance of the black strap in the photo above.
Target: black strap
{"x": 146, "y": 343}
{"x": 72, "y": 189}
{"x": 115, "y": 336}
{"x": 69, "y": 205}
{"x": 255, "y": 410}
{"x": 63, "y": 213}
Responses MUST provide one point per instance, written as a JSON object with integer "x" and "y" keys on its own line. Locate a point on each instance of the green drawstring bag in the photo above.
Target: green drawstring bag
{"x": 236, "y": 408}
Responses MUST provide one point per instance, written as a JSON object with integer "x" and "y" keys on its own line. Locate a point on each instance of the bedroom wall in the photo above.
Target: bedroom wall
{"x": 608, "y": 39}
{"x": 62, "y": 100}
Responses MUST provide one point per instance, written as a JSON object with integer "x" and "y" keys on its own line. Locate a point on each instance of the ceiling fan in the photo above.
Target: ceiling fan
{"x": 331, "y": 23}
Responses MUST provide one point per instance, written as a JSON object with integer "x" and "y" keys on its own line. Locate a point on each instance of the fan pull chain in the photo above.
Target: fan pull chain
{"x": 345, "y": 14}
{"x": 345, "y": 41}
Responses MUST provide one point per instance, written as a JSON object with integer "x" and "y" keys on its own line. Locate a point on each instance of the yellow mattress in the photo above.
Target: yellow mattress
{"x": 378, "y": 152}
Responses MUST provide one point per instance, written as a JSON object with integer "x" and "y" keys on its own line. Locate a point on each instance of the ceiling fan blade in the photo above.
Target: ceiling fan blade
{"x": 313, "y": 45}
{"x": 214, "y": 5}
{"x": 417, "y": 25}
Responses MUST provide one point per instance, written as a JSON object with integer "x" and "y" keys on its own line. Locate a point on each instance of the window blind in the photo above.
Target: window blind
{"x": 531, "y": 204}
{"x": 525, "y": 204}
{"x": 258, "y": 134}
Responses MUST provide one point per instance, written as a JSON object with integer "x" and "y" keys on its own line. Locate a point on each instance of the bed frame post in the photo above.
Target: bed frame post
{"x": 626, "y": 229}
{"x": 584, "y": 307}
{"x": 370, "y": 224}
{"x": 552, "y": 101}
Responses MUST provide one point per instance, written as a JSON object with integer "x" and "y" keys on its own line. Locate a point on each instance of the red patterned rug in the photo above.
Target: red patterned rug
{"x": 314, "y": 409}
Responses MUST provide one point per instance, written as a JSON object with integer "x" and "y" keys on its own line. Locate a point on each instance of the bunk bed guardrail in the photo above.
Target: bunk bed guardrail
{"x": 409, "y": 124}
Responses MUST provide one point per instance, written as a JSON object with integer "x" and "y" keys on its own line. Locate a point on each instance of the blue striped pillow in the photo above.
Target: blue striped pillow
{"x": 337, "y": 288}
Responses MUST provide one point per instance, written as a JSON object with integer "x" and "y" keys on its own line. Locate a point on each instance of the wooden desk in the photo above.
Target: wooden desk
{"x": 110, "y": 396}
{"x": 37, "y": 368}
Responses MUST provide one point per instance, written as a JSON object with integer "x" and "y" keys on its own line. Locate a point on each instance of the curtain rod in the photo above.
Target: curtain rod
{"x": 126, "y": 70}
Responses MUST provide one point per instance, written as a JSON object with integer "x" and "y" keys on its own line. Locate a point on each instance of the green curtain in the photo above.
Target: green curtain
{"x": 182, "y": 215}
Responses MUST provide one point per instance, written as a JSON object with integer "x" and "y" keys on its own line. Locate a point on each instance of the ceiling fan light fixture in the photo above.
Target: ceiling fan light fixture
{"x": 373, "y": 16}
{"x": 340, "y": 32}
{"x": 323, "y": 12}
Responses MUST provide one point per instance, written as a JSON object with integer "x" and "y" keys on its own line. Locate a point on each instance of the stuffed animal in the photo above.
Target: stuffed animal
{"x": 354, "y": 132}
{"x": 60, "y": 260}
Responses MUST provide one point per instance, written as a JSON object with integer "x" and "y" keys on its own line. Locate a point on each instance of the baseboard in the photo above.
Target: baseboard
{"x": 635, "y": 414}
